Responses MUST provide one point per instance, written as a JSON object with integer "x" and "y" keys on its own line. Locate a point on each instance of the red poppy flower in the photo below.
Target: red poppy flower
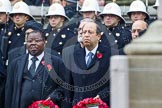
{"x": 43, "y": 62}
{"x": 49, "y": 67}
{"x": 99, "y": 55}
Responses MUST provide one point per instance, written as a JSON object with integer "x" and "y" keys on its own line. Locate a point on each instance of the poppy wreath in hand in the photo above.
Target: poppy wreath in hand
{"x": 91, "y": 102}
{"x": 43, "y": 104}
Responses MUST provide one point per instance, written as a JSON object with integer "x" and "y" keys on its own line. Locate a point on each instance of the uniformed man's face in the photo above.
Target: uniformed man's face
{"x": 90, "y": 36}
{"x": 137, "y": 16}
{"x": 111, "y": 20}
{"x": 89, "y": 14}
{"x": 56, "y": 21}
{"x": 20, "y": 19}
{"x": 3, "y": 18}
{"x": 35, "y": 43}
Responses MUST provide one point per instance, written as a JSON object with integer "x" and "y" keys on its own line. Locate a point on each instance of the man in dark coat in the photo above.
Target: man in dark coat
{"x": 88, "y": 74}
{"x": 28, "y": 80}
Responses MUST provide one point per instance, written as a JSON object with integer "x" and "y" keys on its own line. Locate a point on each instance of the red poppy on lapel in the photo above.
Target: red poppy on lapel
{"x": 99, "y": 55}
{"x": 49, "y": 67}
{"x": 43, "y": 62}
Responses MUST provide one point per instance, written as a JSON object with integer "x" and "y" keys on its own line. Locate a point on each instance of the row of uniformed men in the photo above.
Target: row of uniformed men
{"x": 60, "y": 29}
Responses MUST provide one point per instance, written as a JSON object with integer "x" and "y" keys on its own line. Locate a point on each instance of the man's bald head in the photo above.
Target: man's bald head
{"x": 137, "y": 27}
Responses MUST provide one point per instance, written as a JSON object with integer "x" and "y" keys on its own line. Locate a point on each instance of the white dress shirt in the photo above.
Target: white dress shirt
{"x": 87, "y": 52}
{"x": 37, "y": 62}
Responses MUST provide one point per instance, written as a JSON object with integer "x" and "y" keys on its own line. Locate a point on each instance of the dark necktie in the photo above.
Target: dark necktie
{"x": 90, "y": 56}
{"x": 33, "y": 65}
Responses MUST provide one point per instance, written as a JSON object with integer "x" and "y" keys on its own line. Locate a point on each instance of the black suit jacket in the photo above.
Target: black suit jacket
{"x": 87, "y": 81}
{"x": 15, "y": 73}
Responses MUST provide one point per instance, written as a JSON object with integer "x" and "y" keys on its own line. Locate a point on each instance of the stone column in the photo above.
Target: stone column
{"x": 145, "y": 68}
{"x": 119, "y": 82}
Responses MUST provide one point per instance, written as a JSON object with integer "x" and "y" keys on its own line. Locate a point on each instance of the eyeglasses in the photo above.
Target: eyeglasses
{"x": 36, "y": 41}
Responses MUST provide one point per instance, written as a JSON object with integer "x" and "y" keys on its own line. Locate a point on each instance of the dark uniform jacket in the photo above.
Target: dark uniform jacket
{"x": 2, "y": 81}
{"x": 88, "y": 81}
{"x": 18, "y": 77}
{"x": 56, "y": 41}
{"x": 37, "y": 2}
{"x": 16, "y": 37}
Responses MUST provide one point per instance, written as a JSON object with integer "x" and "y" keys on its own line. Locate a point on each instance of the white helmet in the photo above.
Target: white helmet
{"x": 5, "y": 6}
{"x": 137, "y": 6}
{"x": 156, "y": 4}
{"x": 56, "y": 9}
{"x": 21, "y": 7}
{"x": 114, "y": 9}
{"x": 90, "y": 5}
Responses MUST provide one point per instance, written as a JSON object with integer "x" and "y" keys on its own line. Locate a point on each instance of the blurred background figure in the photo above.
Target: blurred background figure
{"x": 70, "y": 7}
{"x": 5, "y": 21}
{"x": 55, "y": 1}
{"x": 37, "y": 2}
{"x": 156, "y": 5}
{"x": 138, "y": 28}
{"x": 101, "y": 2}
{"x": 5, "y": 8}
{"x": 14, "y": 1}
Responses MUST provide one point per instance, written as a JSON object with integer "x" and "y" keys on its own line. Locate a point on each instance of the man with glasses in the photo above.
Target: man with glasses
{"x": 29, "y": 78}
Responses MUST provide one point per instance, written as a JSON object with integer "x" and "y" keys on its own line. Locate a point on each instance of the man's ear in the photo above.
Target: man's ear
{"x": 27, "y": 18}
{"x": 99, "y": 35}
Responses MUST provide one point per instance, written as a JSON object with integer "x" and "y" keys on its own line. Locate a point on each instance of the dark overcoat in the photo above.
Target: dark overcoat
{"x": 49, "y": 86}
{"x": 87, "y": 81}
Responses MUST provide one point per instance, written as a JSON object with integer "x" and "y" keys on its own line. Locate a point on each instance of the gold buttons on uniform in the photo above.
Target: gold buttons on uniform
{"x": 116, "y": 41}
{"x": 58, "y": 30}
{"x": 9, "y": 42}
{"x": 63, "y": 36}
{"x": 60, "y": 43}
{"x": 47, "y": 34}
{"x": 9, "y": 33}
{"x": 117, "y": 34}
{"x": 18, "y": 34}
{"x": 59, "y": 53}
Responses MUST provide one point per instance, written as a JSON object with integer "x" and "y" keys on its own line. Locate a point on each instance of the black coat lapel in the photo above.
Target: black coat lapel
{"x": 79, "y": 57}
{"x": 20, "y": 71}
